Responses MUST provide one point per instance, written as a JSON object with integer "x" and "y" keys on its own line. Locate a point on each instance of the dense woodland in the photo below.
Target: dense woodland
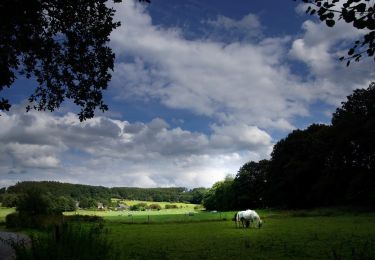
{"x": 322, "y": 165}
{"x": 88, "y": 196}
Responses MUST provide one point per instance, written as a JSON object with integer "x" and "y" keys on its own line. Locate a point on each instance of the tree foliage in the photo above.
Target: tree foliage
{"x": 359, "y": 13}
{"x": 250, "y": 184}
{"x": 88, "y": 196}
{"x": 322, "y": 165}
{"x": 63, "y": 45}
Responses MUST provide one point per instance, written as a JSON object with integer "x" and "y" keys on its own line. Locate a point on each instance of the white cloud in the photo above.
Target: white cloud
{"x": 320, "y": 48}
{"x": 105, "y": 151}
{"x": 234, "y": 81}
{"x": 225, "y": 29}
{"x": 237, "y": 82}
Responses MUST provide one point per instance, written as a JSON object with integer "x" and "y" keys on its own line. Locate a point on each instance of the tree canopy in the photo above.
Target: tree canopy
{"x": 359, "y": 13}
{"x": 63, "y": 46}
{"x": 322, "y": 165}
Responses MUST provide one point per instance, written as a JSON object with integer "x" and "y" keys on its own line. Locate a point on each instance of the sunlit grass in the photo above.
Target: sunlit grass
{"x": 4, "y": 212}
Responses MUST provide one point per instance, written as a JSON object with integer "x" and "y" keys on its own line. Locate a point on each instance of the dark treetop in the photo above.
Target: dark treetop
{"x": 62, "y": 44}
{"x": 359, "y": 13}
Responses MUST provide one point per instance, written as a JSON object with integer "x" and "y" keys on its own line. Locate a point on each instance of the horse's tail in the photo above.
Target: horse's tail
{"x": 235, "y": 219}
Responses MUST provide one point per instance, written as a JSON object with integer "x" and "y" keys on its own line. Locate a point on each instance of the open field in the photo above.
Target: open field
{"x": 302, "y": 234}
{"x": 310, "y": 234}
{"x": 180, "y": 205}
{"x": 283, "y": 236}
{"x": 4, "y": 212}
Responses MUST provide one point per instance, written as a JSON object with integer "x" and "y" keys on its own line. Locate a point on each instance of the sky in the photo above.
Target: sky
{"x": 198, "y": 89}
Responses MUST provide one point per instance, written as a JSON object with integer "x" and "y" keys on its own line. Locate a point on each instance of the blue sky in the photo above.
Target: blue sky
{"x": 199, "y": 88}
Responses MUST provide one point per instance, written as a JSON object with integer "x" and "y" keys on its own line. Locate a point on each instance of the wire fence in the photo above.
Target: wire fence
{"x": 129, "y": 218}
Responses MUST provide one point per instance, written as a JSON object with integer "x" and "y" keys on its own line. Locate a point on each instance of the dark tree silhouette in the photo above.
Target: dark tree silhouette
{"x": 354, "y": 127}
{"x": 359, "y": 13}
{"x": 62, "y": 44}
{"x": 250, "y": 184}
{"x": 297, "y": 165}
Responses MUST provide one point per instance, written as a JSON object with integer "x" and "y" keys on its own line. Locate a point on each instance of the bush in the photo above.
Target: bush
{"x": 12, "y": 220}
{"x": 24, "y": 220}
{"x": 155, "y": 207}
{"x": 171, "y": 206}
{"x": 83, "y": 218}
{"x": 139, "y": 207}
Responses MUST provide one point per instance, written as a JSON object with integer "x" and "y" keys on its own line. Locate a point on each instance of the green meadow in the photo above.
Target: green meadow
{"x": 4, "y": 212}
{"x": 310, "y": 234}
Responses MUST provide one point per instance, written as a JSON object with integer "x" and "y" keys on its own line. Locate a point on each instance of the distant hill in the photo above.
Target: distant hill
{"x": 100, "y": 193}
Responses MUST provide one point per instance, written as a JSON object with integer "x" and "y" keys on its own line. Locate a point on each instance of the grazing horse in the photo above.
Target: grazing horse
{"x": 246, "y": 218}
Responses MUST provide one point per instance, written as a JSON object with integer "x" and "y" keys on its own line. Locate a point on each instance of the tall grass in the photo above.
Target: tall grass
{"x": 69, "y": 241}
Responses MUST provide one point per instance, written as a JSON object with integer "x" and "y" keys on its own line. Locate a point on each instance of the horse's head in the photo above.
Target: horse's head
{"x": 260, "y": 223}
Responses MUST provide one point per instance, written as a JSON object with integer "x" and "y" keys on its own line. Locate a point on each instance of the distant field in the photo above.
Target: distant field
{"x": 184, "y": 212}
{"x": 162, "y": 204}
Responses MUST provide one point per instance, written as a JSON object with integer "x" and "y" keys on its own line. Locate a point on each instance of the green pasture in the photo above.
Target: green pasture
{"x": 302, "y": 234}
{"x": 162, "y": 216}
{"x": 283, "y": 236}
{"x": 4, "y": 212}
{"x": 162, "y": 204}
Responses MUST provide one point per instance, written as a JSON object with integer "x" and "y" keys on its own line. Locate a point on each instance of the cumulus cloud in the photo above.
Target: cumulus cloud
{"x": 113, "y": 152}
{"x": 225, "y": 29}
{"x": 320, "y": 48}
{"x": 229, "y": 82}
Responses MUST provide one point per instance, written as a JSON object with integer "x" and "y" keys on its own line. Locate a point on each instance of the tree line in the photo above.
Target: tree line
{"x": 322, "y": 165}
{"x": 87, "y": 196}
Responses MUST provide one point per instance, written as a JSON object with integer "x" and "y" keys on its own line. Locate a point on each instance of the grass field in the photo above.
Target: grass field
{"x": 4, "y": 212}
{"x": 162, "y": 204}
{"x": 282, "y": 237}
{"x": 312, "y": 234}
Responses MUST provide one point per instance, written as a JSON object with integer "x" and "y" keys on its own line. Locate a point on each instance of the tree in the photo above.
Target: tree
{"x": 220, "y": 196}
{"x": 297, "y": 164}
{"x": 63, "y": 45}
{"x": 197, "y": 195}
{"x": 35, "y": 202}
{"x": 250, "y": 184}
{"x": 8, "y": 200}
{"x": 354, "y": 124}
{"x": 359, "y": 13}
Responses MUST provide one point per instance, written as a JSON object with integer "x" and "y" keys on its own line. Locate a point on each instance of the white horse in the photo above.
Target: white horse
{"x": 247, "y": 218}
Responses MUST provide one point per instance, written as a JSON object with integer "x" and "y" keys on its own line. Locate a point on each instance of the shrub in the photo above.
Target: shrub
{"x": 83, "y": 218}
{"x": 171, "y": 206}
{"x": 155, "y": 207}
{"x": 24, "y": 220}
{"x": 12, "y": 220}
{"x": 139, "y": 207}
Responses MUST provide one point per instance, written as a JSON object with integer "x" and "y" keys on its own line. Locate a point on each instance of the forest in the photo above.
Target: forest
{"x": 88, "y": 196}
{"x": 320, "y": 166}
